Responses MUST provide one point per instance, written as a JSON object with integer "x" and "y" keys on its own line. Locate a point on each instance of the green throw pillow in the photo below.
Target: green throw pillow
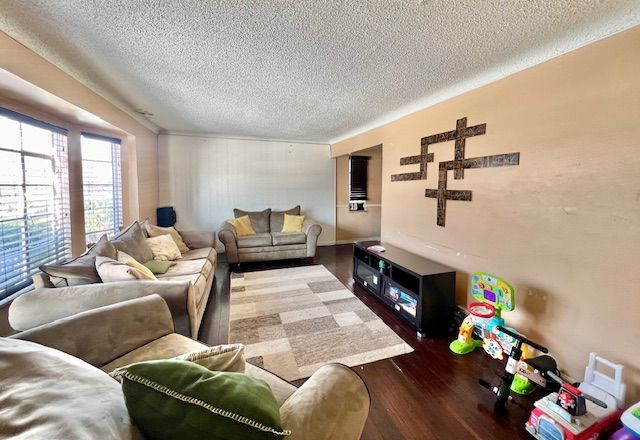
{"x": 159, "y": 267}
{"x": 169, "y": 399}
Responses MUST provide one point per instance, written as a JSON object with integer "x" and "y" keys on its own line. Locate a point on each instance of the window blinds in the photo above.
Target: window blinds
{"x": 102, "y": 186}
{"x": 358, "y": 177}
{"x": 35, "y": 226}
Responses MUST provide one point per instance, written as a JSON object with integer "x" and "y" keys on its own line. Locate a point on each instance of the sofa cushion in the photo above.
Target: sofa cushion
{"x": 45, "y": 393}
{"x": 189, "y": 267}
{"x": 195, "y": 254}
{"x": 276, "y": 220}
{"x": 280, "y": 238}
{"x": 171, "y": 399}
{"x": 272, "y": 249}
{"x": 132, "y": 242}
{"x": 281, "y": 388}
{"x": 259, "y": 219}
{"x": 254, "y": 241}
{"x": 82, "y": 270}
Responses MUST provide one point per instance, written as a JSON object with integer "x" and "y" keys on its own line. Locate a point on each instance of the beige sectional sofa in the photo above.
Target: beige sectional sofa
{"x": 269, "y": 243}
{"x": 185, "y": 287}
{"x": 52, "y": 394}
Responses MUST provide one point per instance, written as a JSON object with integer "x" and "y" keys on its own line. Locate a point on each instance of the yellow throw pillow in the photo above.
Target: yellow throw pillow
{"x": 127, "y": 259}
{"x": 292, "y": 223}
{"x": 242, "y": 226}
{"x": 142, "y": 268}
{"x": 155, "y": 231}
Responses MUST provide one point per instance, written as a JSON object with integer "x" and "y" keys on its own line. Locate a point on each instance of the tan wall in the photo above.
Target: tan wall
{"x": 564, "y": 226}
{"x": 140, "y": 161}
{"x": 357, "y": 225}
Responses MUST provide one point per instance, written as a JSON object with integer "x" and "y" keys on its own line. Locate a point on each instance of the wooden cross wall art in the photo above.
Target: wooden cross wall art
{"x": 457, "y": 165}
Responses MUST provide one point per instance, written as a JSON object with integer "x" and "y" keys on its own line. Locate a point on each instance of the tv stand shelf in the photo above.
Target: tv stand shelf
{"x": 419, "y": 290}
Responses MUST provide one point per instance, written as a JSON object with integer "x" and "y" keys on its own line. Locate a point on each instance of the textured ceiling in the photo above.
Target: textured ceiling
{"x": 299, "y": 69}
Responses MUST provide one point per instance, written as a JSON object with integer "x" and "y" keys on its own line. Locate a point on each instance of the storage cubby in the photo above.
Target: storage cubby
{"x": 419, "y": 290}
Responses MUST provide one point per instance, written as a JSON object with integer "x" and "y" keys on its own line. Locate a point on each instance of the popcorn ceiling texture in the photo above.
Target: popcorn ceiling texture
{"x": 298, "y": 69}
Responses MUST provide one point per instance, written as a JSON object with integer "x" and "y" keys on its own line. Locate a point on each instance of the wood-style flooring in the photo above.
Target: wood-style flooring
{"x": 428, "y": 394}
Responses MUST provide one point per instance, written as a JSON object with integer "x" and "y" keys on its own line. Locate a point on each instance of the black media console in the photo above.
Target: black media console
{"x": 420, "y": 290}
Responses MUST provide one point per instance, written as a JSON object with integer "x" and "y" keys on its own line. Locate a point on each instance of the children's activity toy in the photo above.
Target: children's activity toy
{"x": 580, "y": 412}
{"x": 493, "y": 295}
{"x": 631, "y": 424}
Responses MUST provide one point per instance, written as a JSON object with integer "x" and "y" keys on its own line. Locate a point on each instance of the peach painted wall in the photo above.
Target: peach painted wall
{"x": 564, "y": 225}
{"x": 141, "y": 159}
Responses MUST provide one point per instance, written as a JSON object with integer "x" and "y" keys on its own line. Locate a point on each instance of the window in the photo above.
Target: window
{"x": 102, "y": 183}
{"x": 357, "y": 182}
{"x": 358, "y": 177}
{"x": 34, "y": 199}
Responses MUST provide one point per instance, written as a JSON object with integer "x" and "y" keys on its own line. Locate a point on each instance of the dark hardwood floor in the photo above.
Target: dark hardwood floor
{"x": 428, "y": 394}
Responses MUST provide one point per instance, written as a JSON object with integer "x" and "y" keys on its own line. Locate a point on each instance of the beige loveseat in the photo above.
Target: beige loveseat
{"x": 185, "y": 287}
{"x": 269, "y": 243}
{"x": 333, "y": 404}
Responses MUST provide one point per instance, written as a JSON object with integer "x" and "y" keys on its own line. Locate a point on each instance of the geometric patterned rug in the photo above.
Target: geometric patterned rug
{"x": 295, "y": 320}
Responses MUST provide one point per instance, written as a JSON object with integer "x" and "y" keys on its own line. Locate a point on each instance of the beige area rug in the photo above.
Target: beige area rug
{"x": 295, "y": 320}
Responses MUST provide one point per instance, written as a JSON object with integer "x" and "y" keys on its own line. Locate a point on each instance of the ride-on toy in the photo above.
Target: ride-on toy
{"x": 541, "y": 363}
{"x": 583, "y": 412}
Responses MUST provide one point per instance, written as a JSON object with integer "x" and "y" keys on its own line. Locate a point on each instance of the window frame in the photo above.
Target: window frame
{"x": 60, "y": 214}
{"x": 116, "y": 185}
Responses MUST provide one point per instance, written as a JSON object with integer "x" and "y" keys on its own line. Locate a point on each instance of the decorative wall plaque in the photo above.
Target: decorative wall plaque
{"x": 457, "y": 165}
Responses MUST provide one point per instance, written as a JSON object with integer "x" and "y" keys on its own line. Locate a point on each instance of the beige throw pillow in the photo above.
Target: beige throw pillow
{"x": 155, "y": 231}
{"x": 164, "y": 248}
{"x": 111, "y": 271}
{"x": 229, "y": 357}
{"x": 132, "y": 241}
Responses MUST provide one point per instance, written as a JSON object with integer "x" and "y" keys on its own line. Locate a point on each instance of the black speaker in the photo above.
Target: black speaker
{"x": 166, "y": 216}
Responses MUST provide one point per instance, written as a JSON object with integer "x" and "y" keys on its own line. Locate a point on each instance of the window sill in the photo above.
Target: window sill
{"x": 9, "y": 299}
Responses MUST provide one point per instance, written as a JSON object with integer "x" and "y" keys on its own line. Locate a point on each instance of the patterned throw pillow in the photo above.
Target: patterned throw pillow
{"x": 164, "y": 248}
{"x": 155, "y": 231}
{"x": 130, "y": 261}
{"x": 169, "y": 399}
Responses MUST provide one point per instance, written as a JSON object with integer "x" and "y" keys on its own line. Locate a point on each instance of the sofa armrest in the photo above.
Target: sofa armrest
{"x": 313, "y": 231}
{"x": 198, "y": 239}
{"x": 41, "y": 306}
{"x": 331, "y": 404}
{"x": 101, "y": 335}
{"x": 228, "y": 237}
